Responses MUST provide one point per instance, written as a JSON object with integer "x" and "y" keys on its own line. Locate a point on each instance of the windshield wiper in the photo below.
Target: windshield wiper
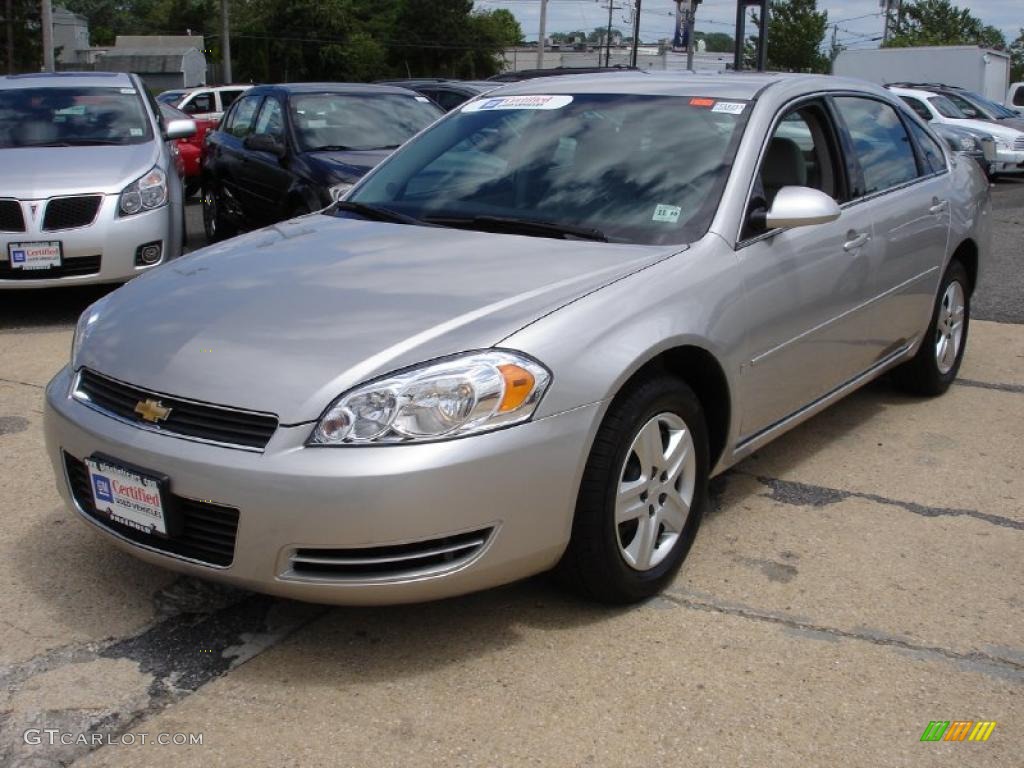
{"x": 376, "y": 213}
{"x": 332, "y": 148}
{"x": 68, "y": 143}
{"x": 513, "y": 225}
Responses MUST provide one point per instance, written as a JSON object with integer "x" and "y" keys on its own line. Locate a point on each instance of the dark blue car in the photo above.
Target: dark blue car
{"x": 285, "y": 150}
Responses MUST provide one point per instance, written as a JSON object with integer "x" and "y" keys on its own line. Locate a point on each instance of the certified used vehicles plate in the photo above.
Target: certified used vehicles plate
{"x": 127, "y": 497}
{"x": 43, "y": 255}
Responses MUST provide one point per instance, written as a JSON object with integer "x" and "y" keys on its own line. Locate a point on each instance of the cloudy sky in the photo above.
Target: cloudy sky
{"x": 858, "y": 20}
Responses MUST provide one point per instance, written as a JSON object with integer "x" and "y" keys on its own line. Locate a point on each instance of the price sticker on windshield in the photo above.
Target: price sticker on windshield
{"x": 518, "y": 102}
{"x": 729, "y": 107}
{"x": 669, "y": 213}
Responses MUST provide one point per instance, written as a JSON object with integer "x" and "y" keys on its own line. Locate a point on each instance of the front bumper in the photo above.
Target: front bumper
{"x": 110, "y": 240}
{"x": 1008, "y": 161}
{"x": 519, "y": 484}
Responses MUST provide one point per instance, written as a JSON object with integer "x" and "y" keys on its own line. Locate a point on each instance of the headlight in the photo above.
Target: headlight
{"x": 338, "y": 191}
{"x": 86, "y": 322}
{"x": 460, "y": 396}
{"x": 968, "y": 143}
{"x": 144, "y": 194}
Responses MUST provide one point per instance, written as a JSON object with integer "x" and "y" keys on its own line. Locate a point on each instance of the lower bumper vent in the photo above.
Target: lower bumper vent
{"x": 421, "y": 558}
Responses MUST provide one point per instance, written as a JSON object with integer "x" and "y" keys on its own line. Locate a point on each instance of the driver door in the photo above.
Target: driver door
{"x": 807, "y": 288}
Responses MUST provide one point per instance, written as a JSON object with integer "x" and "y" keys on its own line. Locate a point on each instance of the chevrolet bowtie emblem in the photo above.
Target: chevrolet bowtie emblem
{"x": 152, "y": 410}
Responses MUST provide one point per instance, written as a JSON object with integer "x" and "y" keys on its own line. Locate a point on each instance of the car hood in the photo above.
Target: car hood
{"x": 350, "y": 165}
{"x": 996, "y": 130}
{"x": 33, "y": 173}
{"x": 285, "y": 319}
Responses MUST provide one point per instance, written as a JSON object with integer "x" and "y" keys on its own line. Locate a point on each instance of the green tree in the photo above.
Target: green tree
{"x": 25, "y": 53}
{"x": 716, "y": 42}
{"x": 796, "y": 30}
{"x": 939, "y": 22}
{"x": 1016, "y": 50}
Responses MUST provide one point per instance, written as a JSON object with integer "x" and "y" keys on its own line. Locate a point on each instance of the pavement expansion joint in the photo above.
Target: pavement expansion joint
{"x": 1015, "y": 388}
{"x": 998, "y": 664}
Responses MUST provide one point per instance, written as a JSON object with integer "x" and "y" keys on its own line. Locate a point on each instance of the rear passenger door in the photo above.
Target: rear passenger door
{"x": 901, "y": 183}
{"x": 807, "y": 288}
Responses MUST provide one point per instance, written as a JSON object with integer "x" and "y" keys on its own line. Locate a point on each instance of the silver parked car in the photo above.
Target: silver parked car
{"x": 525, "y": 341}
{"x": 89, "y": 191}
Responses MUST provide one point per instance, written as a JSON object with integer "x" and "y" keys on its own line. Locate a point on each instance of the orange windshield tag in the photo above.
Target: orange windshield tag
{"x": 702, "y": 102}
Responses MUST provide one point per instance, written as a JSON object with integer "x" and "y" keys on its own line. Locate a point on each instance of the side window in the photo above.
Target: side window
{"x": 200, "y": 104}
{"x": 800, "y": 153}
{"x": 228, "y": 97}
{"x": 1018, "y": 96}
{"x": 447, "y": 100}
{"x": 271, "y": 119}
{"x": 918, "y": 107}
{"x": 931, "y": 153}
{"x": 880, "y": 143}
{"x": 240, "y": 120}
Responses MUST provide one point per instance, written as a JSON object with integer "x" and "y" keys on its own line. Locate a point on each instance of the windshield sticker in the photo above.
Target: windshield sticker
{"x": 731, "y": 107}
{"x": 696, "y": 102}
{"x": 128, "y": 91}
{"x": 77, "y": 109}
{"x": 518, "y": 102}
{"x": 134, "y": 131}
{"x": 669, "y": 213}
{"x": 424, "y": 99}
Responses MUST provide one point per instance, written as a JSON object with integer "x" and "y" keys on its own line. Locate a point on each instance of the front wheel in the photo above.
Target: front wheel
{"x": 643, "y": 494}
{"x": 214, "y": 223}
{"x": 932, "y": 370}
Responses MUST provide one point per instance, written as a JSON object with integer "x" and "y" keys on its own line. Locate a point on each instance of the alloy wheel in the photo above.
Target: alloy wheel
{"x": 949, "y": 327}
{"x": 655, "y": 491}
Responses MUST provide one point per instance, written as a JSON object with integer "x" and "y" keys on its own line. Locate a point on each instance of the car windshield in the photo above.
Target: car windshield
{"x": 339, "y": 121}
{"x": 46, "y": 117}
{"x": 996, "y": 110}
{"x": 946, "y": 108}
{"x": 642, "y": 169}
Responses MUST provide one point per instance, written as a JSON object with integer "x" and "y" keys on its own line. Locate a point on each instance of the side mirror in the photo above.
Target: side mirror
{"x": 799, "y": 207}
{"x": 179, "y": 129}
{"x": 264, "y": 142}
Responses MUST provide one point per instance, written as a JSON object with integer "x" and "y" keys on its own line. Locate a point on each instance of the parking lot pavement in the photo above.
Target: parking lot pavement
{"x": 857, "y": 579}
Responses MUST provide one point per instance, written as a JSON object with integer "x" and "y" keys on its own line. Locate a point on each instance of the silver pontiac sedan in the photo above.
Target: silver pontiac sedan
{"x": 525, "y": 341}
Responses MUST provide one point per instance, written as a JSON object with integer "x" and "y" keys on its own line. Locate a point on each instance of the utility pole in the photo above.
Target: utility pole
{"x": 47, "y": 20}
{"x": 608, "y": 35}
{"x": 543, "y": 33}
{"x": 689, "y": 34}
{"x": 636, "y": 33}
{"x": 225, "y": 42}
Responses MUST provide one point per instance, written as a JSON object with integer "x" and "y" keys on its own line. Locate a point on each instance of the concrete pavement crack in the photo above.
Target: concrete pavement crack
{"x": 803, "y": 494}
{"x": 22, "y": 383}
{"x": 973, "y": 657}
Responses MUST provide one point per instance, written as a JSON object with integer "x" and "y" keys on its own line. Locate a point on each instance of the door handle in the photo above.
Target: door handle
{"x": 938, "y": 206}
{"x": 856, "y": 240}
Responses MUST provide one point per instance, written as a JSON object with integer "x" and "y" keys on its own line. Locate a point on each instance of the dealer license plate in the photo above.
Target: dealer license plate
{"x": 34, "y": 255}
{"x": 127, "y": 497}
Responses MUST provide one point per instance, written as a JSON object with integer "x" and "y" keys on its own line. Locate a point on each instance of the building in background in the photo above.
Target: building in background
{"x": 163, "y": 62}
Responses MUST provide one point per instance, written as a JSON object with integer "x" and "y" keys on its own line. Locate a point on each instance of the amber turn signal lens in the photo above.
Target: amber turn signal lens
{"x": 519, "y": 383}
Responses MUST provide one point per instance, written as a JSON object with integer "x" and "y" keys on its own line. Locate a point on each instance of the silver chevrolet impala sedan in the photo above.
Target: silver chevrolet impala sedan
{"x": 525, "y": 341}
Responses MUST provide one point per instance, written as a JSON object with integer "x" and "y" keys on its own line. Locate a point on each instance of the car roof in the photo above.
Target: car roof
{"x": 918, "y": 92}
{"x": 296, "y": 88}
{"x": 67, "y": 79}
{"x": 725, "y": 85}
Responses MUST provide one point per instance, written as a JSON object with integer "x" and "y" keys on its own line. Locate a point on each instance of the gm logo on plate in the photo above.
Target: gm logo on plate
{"x": 102, "y": 487}
{"x": 18, "y": 256}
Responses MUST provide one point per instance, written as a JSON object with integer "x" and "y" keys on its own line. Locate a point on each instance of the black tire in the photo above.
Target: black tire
{"x": 922, "y": 374}
{"x": 594, "y": 563}
{"x": 191, "y": 187}
{"x": 215, "y": 224}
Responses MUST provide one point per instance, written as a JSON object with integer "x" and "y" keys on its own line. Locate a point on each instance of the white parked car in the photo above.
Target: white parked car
{"x": 208, "y": 103}
{"x": 935, "y": 108}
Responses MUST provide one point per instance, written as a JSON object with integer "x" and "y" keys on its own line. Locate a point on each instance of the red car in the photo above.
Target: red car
{"x": 188, "y": 152}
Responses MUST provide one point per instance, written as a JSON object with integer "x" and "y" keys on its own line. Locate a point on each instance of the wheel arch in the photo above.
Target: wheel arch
{"x": 967, "y": 254}
{"x": 704, "y": 374}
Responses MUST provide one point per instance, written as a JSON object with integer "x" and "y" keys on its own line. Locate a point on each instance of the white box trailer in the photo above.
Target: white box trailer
{"x": 977, "y": 69}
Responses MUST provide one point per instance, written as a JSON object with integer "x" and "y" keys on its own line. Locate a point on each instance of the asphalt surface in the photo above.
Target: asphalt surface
{"x": 857, "y": 579}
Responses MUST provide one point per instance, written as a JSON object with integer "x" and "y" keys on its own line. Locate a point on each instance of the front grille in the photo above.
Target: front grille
{"x": 71, "y": 212}
{"x": 77, "y": 267}
{"x": 420, "y": 558}
{"x": 212, "y": 423}
{"x": 1018, "y": 143}
{"x": 11, "y": 219}
{"x": 207, "y": 531}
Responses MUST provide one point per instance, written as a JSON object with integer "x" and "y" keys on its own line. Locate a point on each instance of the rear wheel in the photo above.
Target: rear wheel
{"x": 643, "y": 494}
{"x": 936, "y": 364}
{"x": 214, "y": 223}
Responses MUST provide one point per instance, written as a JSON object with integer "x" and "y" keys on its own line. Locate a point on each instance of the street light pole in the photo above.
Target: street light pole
{"x": 608, "y": 35}
{"x": 225, "y": 42}
{"x": 47, "y": 21}
{"x": 543, "y": 33}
